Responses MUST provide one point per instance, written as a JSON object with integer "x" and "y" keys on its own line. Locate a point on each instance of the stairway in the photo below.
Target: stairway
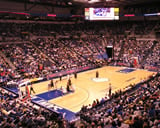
{"x": 122, "y": 50}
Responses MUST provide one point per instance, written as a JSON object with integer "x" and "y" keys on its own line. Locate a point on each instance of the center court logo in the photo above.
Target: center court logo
{"x": 100, "y": 79}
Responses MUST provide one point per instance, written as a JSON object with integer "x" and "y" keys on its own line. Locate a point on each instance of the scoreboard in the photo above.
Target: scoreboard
{"x": 101, "y": 13}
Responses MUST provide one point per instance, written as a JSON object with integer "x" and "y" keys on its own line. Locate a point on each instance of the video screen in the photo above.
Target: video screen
{"x": 102, "y": 13}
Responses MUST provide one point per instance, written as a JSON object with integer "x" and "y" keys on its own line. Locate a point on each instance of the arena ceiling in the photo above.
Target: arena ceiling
{"x": 85, "y": 3}
{"x": 115, "y": 2}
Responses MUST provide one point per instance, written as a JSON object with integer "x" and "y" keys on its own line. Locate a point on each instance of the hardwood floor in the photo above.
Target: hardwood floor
{"x": 88, "y": 90}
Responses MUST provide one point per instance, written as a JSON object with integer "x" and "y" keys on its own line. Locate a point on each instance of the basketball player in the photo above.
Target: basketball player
{"x": 60, "y": 77}
{"x": 75, "y": 75}
{"x": 97, "y": 74}
{"x": 49, "y": 86}
{"x": 69, "y": 83}
{"x": 31, "y": 89}
{"x": 68, "y": 89}
{"x": 110, "y": 90}
{"x": 52, "y": 84}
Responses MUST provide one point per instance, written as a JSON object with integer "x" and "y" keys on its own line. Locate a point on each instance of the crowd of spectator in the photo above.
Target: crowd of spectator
{"x": 146, "y": 53}
{"x": 98, "y": 28}
{"x": 17, "y": 114}
{"x": 26, "y": 59}
{"x": 134, "y": 48}
{"x": 70, "y": 48}
{"x": 135, "y": 109}
{"x": 6, "y": 72}
{"x": 153, "y": 59}
{"x": 63, "y": 57}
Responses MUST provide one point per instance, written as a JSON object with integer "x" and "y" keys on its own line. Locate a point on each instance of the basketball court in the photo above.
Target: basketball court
{"x": 88, "y": 87}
